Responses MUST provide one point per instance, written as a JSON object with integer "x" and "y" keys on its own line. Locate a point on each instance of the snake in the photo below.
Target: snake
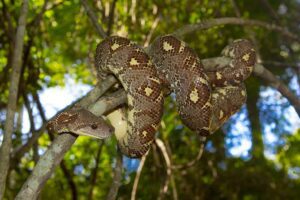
{"x": 80, "y": 122}
{"x": 205, "y": 99}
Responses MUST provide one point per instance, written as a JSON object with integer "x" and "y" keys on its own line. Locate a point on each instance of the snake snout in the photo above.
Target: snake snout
{"x": 50, "y": 127}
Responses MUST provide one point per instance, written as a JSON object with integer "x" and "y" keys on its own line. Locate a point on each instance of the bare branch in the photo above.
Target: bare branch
{"x": 236, "y": 8}
{"x": 234, "y": 21}
{"x": 280, "y": 64}
{"x": 95, "y": 170}
{"x": 93, "y": 18}
{"x": 69, "y": 177}
{"x": 192, "y": 162}
{"x": 137, "y": 177}
{"x": 52, "y": 157}
{"x": 45, "y": 167}
{"x": 116, "y": 183}
{"x": 163, "y": 149}
{"x": 111, "y": 17}
{"x": 271, "y": 11}
{"x": 153, "y": 27}
{"x": 272, "y": 80}
{"x": 87, "y": 100}
{"x": 12, "y": 99}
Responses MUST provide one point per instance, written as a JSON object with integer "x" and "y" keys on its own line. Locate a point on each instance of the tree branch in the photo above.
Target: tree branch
{"x": 54, "y": 154}
{"x": 272, "y": 80}
{"x": 163, "y": 149}
{"x": 116, "y": 183}
{"x": 12, "y": 99}
{"x": 111, "y": 17}
{"x": 94, "y": 19}
{"x": 95, "y": 170}
{"x": 99, "y": 88}
{"x": 192, "y": 162}
{"x": 234, "y": 21}
{"x": 137, "y": 177}
{"x": 69, "y": 177}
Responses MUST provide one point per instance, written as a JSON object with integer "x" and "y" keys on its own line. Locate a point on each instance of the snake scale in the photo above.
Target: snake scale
{"x": 205, "y": 99}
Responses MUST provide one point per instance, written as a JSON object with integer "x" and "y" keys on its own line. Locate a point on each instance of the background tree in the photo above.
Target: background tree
{"x": 59, "y": 45}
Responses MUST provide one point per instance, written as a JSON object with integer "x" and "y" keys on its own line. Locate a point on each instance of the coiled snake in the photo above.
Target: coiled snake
{"x": 205, "y": 99}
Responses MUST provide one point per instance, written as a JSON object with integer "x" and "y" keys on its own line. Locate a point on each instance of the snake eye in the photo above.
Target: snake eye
{"x": 94, "y": 126}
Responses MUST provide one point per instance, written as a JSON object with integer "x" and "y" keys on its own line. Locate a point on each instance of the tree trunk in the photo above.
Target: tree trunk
{"x": 12, "y": 99}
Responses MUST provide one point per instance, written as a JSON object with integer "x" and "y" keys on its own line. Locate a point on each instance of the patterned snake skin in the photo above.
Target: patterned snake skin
{"x": 205, "y": 99}
{"x": 133, "y": 67}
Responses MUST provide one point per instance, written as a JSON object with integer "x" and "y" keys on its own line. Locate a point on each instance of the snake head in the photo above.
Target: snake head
{"x": 80, "y": 122}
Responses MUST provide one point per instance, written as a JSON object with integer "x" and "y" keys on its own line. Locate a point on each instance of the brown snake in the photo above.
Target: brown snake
{"x": 205, "y": 99}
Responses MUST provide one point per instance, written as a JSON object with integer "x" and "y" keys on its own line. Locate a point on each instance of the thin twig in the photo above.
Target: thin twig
{"x": 95, "y": 170}
{"x": 280, "y": 64}
{"x": 69, "y": 176}
{"x": 111, "y": 18}
{"x": 137, "y": 177}
{"x": 94, "y": 19}
{"x": 192, "y": 162}
{"x": 235, "y": 8}
{"x": 153, "y": 27}
{"x": 116, "y": 183}
{"x": 234, "y": 21}
{"x": 163, "y": 149}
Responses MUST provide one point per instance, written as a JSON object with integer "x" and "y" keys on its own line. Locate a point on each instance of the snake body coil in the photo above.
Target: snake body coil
{"x": 205, "y": 99}
{"x": 133, "y": 67}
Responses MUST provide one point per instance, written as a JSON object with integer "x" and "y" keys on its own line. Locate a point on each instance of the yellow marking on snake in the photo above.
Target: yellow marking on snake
{"x": 148, "y": 91}
{"x": 202, "y": 80}
{"x": 221, "y": 114}
{"x": 130, "y": 100}
{"x": 194, "y": 65}
{"x": 208, "y": 104}
{"x": 215, "y": 95}
{"x": 182, "y": 46}
{"x": 243, "y": 93}
{"x": 115, "y": 46}
{"x": 161, "y": 95}
{"x": 155, "y": 80}
{"x": 219, "y": 76}
{"x": 167, "y": 46}
{"x": 144, "y": 133}
{"x": 149, "y": 62}
{"x": 133, "y": 61}
{"x": 194, "y": 97}
{"x": 222, "y": 91}
{"x": 246, "y": 57}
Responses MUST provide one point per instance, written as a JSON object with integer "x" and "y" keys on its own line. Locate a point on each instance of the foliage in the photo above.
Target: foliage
{"x": 61, "y": 46}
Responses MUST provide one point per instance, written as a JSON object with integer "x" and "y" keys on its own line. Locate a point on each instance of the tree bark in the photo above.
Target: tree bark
{"x": 116, "y": 183}
{"x": 12, "y": 99}
{"x": 62, "y": 143}
{"x": 234, "y": 21}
